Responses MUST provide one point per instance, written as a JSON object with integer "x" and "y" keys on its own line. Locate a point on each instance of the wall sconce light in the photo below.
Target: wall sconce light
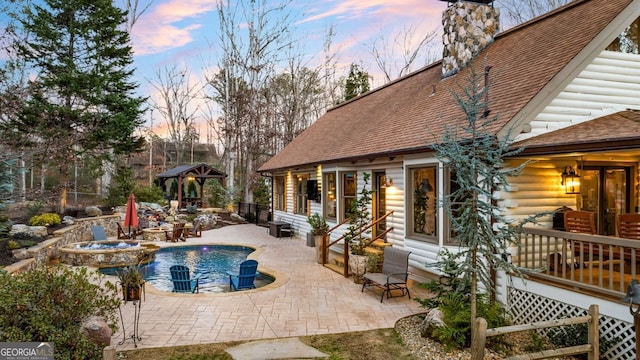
{"x": 570, "y": 180}
{"x": 191, "y": 178}
{"x": 388, "y": 182}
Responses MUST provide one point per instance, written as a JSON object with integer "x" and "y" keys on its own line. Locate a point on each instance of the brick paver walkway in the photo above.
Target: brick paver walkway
{"x": 305, "y": 299}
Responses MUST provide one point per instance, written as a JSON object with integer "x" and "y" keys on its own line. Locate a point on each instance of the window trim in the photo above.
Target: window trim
{"x": 409, "y": 197}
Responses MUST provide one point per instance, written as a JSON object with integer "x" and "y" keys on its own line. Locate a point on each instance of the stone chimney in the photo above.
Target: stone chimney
{"x": 469, "y": 27}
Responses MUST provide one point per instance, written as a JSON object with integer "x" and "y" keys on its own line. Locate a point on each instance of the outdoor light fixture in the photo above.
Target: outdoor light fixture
{"x": 191, "y": 178}
{"x": 388, "y": 182}
{"x": 570, "y": 180}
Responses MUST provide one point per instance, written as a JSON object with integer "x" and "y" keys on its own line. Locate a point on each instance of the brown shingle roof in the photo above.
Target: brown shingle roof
{"x": 608, "y": 132}
{"x": 407, "y": 116}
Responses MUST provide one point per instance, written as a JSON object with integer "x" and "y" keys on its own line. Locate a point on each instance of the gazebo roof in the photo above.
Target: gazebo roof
{"x": 196, "y": 170}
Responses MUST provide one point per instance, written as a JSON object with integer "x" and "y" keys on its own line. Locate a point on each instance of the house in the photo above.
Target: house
{"x": 565, "y": 86}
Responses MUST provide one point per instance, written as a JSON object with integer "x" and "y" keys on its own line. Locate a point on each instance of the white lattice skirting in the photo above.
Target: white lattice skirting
{"x": 526, "y": 307}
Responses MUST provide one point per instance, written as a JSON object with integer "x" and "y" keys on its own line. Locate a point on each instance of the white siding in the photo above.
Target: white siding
{"x": 611, "y": 83}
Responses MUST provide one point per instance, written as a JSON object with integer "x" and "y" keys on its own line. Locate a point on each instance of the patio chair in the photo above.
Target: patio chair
{"x": 182, "y": 282}
{"x": 287, "y": 230}
{"x": 176, "y": 234}
{"x": 244, "y": 279}
{"x": 98, "y": 232}
{"x": 578, "y": 221}
{"x": 629, "y": 226}
{"x": 128, "y": 233}
{"x": 395, "y": 271}
{"x": 195, "y": 231}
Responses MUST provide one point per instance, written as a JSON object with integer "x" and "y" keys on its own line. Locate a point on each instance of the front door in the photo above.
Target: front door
{"x": 605, "y": 190}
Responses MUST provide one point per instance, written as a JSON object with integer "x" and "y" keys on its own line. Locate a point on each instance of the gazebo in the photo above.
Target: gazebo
{"x": 186, "y": 173}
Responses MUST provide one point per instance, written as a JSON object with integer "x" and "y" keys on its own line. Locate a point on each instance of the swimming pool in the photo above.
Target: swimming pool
{"x": 211, "y": 261}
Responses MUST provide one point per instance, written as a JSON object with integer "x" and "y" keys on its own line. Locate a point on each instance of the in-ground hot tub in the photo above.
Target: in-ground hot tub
{"x": 109, "y": 253}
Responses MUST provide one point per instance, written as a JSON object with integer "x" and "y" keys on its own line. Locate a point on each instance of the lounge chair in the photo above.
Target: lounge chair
{"x": 128, "y": 233}
{"x": 195, "y": 231}
{"x": 394, "y": 273}
{"x": 244, "y": 279}
{"x": 98, "y": 232}
{"x": 176, "y": 234}
{"x": 182, "y": 281}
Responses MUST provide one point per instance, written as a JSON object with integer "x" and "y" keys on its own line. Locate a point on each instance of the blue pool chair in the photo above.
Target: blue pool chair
{"x": 98, "y": 232}
{"x": 244, "y": 279}
{"x": 182, "y": 282}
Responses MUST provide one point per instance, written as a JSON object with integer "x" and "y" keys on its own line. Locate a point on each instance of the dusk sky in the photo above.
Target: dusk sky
{"x": 185, "y": 32}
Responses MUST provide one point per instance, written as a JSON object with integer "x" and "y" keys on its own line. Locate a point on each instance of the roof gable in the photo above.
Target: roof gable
{"x": 412, "y": 113}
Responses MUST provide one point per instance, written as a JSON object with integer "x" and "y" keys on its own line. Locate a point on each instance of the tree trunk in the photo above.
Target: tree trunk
{"x": 64, "y": 177}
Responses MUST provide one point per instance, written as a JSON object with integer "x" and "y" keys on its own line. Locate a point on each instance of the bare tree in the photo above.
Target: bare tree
{"x": 514, "y": 12}
{"x": 403, "y": 51}
{"x": 250, "y": 57}
{"x": 133, "y": 13}
{"x": 176, "y": 104}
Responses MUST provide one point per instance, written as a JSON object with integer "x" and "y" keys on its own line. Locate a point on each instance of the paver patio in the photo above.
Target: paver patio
{"x": 305, "y": 299}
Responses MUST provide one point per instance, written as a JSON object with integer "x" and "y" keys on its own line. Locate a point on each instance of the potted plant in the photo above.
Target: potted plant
{"x": 132, "y": 281}
{"x": 359, "y": 218}
{"x": 319, "y": 228}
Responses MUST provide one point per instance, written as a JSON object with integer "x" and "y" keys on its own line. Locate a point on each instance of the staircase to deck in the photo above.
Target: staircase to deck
{"x": 337, "y": 252}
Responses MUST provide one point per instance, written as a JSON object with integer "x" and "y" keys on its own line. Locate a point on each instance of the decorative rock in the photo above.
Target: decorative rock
{"x": 236, "y": 217}
{"x": 68, "y": 220}
{"x": 97, "y": 330}
{"x": 208, "y": 221}
{"x": 93, "y": 211}
{"x": 434, "y": 319}
{"x": 18, "y": 230}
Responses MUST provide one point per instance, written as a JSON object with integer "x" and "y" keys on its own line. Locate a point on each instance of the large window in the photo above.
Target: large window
{"x": 423, "y": 201}
{"x": 301, "y": 194}
{"x": 349, "y": 193}
{"x": 329, "y": 191}
{"x": 280, "y": 199}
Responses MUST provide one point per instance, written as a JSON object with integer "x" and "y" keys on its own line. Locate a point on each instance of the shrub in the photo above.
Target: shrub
{"x": 12, "y": 245}
{"x": 578, "y": 334}
{"x": 34, "y": 208}
{"x": 192, "y": 209}
{"x": 51, "y": 304}
{"x": 46, "y": 219}
{"x": 152, "y": 194}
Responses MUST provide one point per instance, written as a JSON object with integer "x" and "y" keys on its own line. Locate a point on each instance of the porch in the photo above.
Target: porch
{"x": 593, "y": 264}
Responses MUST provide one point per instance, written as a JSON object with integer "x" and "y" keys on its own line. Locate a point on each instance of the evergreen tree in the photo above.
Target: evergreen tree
{"x": 81, "y": 100}
{"x": 357, "y": 82}
{"x": 476, "y": 159}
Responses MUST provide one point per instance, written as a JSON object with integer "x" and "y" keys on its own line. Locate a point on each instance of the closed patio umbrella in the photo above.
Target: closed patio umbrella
{"x": 131, "y": 213}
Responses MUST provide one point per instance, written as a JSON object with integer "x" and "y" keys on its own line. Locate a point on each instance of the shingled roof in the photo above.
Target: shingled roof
{"x": 412, "y": 113}
{"x": 616, "y": 131}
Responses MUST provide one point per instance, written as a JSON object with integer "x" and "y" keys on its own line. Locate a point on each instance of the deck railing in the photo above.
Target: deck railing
{"x": 598, "y": 264}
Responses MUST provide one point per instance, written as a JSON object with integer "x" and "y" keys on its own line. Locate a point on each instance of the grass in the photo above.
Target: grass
{"x": 379, "y": 344}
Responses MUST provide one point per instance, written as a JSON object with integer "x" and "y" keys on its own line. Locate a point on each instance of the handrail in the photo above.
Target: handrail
{"x": 325, "y": 249}
{"x": 593, "y": 263}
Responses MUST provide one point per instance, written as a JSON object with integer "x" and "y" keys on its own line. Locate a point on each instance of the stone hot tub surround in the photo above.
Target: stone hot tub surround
{"x": 110, "y": 253}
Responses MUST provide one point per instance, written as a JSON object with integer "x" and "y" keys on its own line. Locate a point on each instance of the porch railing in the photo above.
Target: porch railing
{"x": 603, "y": 265}
{"x": 346, "y": 250}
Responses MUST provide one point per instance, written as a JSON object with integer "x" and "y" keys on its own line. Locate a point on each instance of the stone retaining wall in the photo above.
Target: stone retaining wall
{"x": 39, "y": 254}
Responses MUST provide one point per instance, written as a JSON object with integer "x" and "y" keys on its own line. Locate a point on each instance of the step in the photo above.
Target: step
{"x": 337, "y": 268}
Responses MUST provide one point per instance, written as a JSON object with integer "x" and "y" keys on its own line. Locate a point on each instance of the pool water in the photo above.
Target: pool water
{"x": 211, "y": 261}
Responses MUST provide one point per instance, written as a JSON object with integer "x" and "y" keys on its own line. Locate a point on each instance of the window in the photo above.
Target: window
{"x": 301, "y": 194}
{"x": 453, "y": 187}
{"x": 423, "y": 203}
{"x": 329, "y": 191}
{"x": 280, "y": 200}
{"x": 349, "y": 189}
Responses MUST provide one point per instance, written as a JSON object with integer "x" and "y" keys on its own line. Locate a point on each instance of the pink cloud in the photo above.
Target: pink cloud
{"x": 158, "y": 29}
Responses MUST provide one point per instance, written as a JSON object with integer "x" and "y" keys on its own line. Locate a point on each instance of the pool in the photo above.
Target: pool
{"x": 211, "y": 261}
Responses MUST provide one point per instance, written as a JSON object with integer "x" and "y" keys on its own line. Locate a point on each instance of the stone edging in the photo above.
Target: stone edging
{"x": 39, "y": 254}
